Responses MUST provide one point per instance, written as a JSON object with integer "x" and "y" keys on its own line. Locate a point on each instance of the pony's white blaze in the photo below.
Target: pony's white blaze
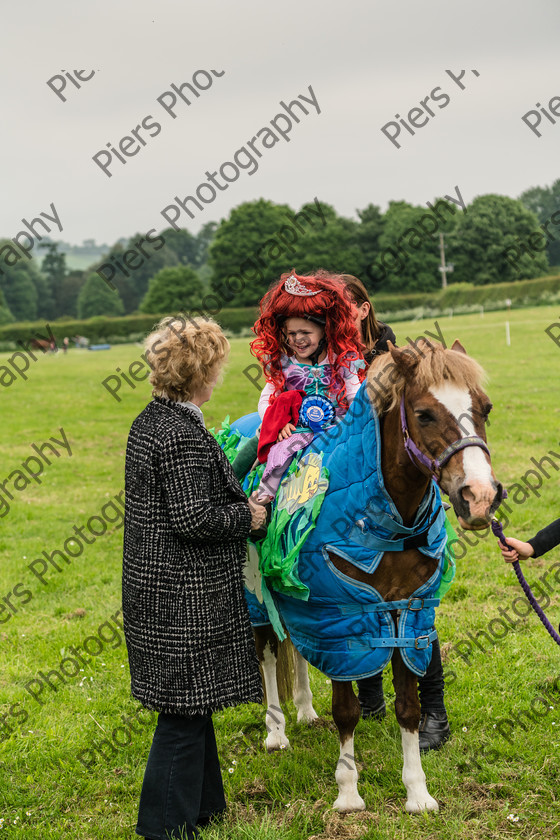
{"x": 418, "y": 799}
{"x": 347, "y": 779}
{"x": 458, "y": 402}
{"x": 275, "y": 720}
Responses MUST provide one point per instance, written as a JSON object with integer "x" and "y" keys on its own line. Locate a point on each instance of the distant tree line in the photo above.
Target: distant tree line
{"x": 496, "y": 239}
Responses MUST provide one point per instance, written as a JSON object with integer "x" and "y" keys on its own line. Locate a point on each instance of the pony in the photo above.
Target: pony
{"x": 427, "y": 408}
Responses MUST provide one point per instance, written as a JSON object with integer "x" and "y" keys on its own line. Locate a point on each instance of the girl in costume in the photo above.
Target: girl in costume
{"x": 308, "y": 345}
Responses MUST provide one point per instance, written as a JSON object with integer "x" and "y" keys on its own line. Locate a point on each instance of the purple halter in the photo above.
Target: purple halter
{"x": 434, "y": 465}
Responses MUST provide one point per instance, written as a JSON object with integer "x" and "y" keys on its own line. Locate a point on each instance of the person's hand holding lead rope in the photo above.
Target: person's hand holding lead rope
{"x": 515, "y": 550}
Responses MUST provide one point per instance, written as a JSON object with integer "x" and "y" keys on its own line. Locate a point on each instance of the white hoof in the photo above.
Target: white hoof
{"x": 307, "y": 715}
{"x": 421, "y": 803}
{"x": 348, "y": 803}
{"x": 276, "y": 741}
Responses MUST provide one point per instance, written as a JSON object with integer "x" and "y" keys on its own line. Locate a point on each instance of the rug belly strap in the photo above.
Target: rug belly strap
{"x": 415, "y": 604}
{"x": 418, "y": 643}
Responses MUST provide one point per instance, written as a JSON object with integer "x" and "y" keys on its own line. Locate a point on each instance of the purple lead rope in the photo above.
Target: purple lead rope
{"x": 498, "y": 532}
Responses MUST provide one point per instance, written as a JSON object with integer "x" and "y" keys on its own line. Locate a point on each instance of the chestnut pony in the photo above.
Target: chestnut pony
{"x": 432, "y": 411}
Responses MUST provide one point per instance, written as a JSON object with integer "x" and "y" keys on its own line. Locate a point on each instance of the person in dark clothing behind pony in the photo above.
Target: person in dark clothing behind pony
{"x": 186, "y": 622}
{"x": 434, "y": 727}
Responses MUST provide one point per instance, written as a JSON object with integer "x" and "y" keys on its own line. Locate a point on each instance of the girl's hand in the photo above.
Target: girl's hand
{"x": 258, "y": 512}
{"x": 516, "y": 550}
{"x": 285, "y": 433}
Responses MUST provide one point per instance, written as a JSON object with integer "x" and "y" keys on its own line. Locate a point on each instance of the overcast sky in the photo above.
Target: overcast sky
{"x": 365, "y": 61}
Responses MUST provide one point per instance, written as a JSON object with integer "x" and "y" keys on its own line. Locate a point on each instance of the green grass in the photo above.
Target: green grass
{"x": 479, "y": 778}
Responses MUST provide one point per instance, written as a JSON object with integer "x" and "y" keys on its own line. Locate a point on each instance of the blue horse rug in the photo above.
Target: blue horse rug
{"x": 333, "y": 499}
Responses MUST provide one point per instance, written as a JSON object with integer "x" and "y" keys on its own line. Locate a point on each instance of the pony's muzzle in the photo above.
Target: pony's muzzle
{"x": 477, "y": 501}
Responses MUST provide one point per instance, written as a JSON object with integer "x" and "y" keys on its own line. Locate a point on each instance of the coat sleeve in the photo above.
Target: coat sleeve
{"x": 546, "y": 539}
{"x": 186, "y": 477}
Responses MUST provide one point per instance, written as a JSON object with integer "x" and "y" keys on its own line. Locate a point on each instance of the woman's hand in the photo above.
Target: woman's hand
{"x": 516, "y": 550}
{"x": 258, "y": 512}
{"x": 285, "y": 433}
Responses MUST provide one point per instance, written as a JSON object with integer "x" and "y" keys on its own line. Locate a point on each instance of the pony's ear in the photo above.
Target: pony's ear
{"x": 405, "y": 359}
{"x": 458, "y": 347}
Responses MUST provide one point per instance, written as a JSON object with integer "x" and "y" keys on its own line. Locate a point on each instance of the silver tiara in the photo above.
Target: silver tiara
{"x": 294, "y": 287}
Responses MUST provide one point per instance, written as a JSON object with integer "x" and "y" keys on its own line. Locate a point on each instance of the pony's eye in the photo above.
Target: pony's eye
{"x": 425, "y": 417}
{"x": 486, "y": 412}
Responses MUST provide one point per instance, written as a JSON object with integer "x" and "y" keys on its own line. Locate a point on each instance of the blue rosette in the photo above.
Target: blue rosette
{"x": 316, "y": 412}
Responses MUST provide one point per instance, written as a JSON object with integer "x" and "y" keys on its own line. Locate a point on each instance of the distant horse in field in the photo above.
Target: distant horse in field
{"x": 43, "y": 345}
{"x": 373, "y": 563}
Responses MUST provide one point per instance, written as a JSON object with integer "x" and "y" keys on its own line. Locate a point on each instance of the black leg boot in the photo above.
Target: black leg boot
{"x": 434, "y": 727}
{"x": 370, "y": 695}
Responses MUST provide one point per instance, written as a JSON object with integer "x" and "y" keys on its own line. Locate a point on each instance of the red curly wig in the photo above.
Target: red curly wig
{"x": 343, "y": 343}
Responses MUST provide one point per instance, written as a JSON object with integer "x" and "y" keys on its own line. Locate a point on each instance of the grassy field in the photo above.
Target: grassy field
{"x": 73, "y": 749}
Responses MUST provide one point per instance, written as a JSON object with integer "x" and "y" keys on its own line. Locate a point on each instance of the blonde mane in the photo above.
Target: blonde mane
{"x": 436, "y": 365}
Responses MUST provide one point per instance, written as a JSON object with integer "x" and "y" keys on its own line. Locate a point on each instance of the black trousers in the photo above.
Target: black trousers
{"x": 430, "y": 686}
{"x": 182, "y": 783}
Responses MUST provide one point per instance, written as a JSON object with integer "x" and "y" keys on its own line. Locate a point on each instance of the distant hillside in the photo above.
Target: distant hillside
{"x": 80, "y": 257}
{"x": 80, "y": 260}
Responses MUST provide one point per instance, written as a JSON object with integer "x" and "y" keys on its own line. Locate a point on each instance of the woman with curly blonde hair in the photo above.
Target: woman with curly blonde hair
{"x": 186, "y": 622}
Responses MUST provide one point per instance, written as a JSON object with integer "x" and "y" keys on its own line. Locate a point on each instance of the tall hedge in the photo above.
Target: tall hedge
{"x": 520, "y": 292}
{"x": 115, "y": 330}
{"x": 134, "y": 327}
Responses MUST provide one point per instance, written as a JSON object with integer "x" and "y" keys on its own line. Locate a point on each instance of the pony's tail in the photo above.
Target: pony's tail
{"x": 285, "y": 670}
{"x": 285, "y": 661}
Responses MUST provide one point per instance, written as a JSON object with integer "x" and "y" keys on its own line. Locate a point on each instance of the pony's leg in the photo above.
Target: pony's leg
{"x": 303, "y": 699}
{"x": 346, "y": 714}
{"x": 267, "y": 651}
{"x": 407, "y": 708}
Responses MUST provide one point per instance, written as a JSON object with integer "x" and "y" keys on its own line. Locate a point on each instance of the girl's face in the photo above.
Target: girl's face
{"x": 303, "y": 337}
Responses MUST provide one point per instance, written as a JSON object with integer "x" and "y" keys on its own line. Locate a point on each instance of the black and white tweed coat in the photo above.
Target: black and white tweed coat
{"x": 187, "y": 629}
